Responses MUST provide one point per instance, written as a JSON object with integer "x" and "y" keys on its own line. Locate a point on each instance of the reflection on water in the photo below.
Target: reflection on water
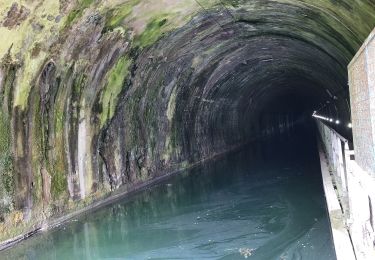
{"x": 257, "y": 204}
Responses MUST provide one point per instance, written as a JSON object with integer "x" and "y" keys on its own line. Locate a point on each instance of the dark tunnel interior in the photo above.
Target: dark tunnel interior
{"x": 234, "y": 74}
{"x": 248, "y": 77}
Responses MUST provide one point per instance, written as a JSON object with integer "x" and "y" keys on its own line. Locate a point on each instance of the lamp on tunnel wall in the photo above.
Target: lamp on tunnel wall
{"x": 329, "y": 111}
{"x": 328, "y": 119}
{"x": 337, "y": 112}
{"x": 325, "y": 107}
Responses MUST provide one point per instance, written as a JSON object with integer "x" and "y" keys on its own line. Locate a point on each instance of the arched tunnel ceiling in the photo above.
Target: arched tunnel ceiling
{"x": 99, "y": 94}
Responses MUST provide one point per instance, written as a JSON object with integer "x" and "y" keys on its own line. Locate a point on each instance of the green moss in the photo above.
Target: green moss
{"x": 77, "y": 85}
{"x": 115, "y": 17}
{"x": 77, "y": 12}
{"x": 86, "y": 3}
{"x": 57, "y": 170}
{"x": 4, "y": 133}
{"x": 7, "y": 95}
{"x": 36, "y": 147}
{"x": 6, "y": 160}
{"x": 72, "y": 16}
{"x": 58, "y": 183}
{"x": 112, "y": 89}
{"x": 59, "y": 119}
{"x": 154, "y": 30}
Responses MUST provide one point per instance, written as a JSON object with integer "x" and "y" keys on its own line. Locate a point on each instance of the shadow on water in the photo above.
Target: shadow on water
{"x": 263, "y": 202}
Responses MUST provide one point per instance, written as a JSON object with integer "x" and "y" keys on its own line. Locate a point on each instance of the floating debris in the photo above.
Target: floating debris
{"x": 246, "y": 252}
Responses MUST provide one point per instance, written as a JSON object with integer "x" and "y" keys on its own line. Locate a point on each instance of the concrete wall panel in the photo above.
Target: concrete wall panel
{"x": 362, "y": 96}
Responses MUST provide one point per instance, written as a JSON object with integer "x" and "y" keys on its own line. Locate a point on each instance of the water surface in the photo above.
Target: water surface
{"x": 264, "y": 202}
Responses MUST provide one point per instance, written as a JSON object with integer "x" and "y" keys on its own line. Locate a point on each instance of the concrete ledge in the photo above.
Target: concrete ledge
{"x": 340, "y": 235}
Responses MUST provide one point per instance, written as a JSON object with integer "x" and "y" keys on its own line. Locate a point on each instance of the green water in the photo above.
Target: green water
{"x": 260, "y": 203}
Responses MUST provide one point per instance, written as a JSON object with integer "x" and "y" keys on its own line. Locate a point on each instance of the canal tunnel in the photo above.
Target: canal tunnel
{"x": 235, "y": 73}
{"x": 106, "y": 96}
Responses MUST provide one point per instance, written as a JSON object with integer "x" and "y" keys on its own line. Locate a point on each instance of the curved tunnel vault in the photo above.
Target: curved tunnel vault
{"x": 123, "y": 91}
{"x": 210, "y": 84}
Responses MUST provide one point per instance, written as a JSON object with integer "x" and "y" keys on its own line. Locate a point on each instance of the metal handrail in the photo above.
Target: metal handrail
{"x": 355, "y": 190}
{"x": 335, "y": 132}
